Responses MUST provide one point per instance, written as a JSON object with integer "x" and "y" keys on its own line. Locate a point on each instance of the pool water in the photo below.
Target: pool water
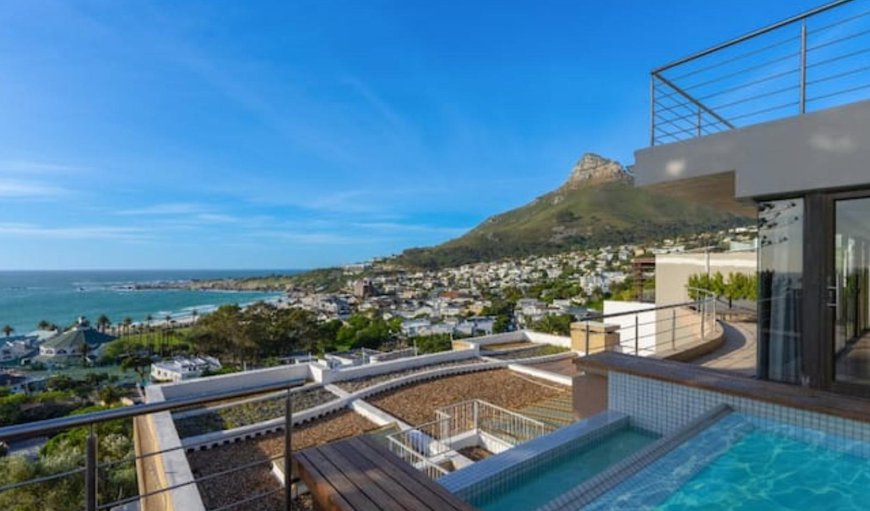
{"x": 749, "y": 463}
{"x": 570, "y": 469}
{"x": 770, "y": 472}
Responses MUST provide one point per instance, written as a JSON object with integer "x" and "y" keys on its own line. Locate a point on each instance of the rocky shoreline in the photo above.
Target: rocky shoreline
{"x": 265, "y": 284}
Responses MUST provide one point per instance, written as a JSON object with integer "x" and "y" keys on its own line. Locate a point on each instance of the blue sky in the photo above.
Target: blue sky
{"x": 223, "y": 134}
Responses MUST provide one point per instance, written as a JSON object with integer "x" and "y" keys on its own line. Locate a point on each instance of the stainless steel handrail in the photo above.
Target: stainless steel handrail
{"x": 751, "y": 35}
{"x": 38, "y": 428}
{"x": 682, "y": 111}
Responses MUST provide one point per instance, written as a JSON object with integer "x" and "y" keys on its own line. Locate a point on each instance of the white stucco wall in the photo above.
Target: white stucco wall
{"x": 646, "y": 321}
{"x": 825, "y": 149}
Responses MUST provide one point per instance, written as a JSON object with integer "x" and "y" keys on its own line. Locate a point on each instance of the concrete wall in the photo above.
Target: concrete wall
{"x": 351, "y": 373}
{"x": 673, "y": 271}
{"x": 825, "y": 149}
{"x": 236, "y": 381}
{"x": 517, "y": 336}
{"x": 158, "y": 434}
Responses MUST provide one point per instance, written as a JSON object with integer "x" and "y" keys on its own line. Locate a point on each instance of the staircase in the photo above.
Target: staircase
{"x": 557, "y": 411}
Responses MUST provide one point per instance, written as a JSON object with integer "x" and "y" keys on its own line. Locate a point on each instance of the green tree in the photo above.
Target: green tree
{"x": 128, "y": 321}
{"x": 558, "y": 324}
{"x": 138, "y": 364}
{"x": 103, "y": 323}
{"x": 7, "y": 330}
{"x": 433, "y": 343}
{"x": 501, "y": 324}
{"x": 43, "y": 325}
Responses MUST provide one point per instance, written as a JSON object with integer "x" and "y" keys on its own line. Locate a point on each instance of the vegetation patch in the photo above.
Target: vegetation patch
{"x": 537, "y": 351}
{"x": 251, "y": 412}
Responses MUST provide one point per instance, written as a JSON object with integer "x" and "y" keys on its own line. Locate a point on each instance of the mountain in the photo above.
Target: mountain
{"x": 598, "y": 205}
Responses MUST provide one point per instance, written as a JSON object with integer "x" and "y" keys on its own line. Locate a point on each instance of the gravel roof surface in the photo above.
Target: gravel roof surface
{"x": 252, "y": 412}
{"x": 226, "y": 489}
{"x": 417, "y": 403}
{"x": 368, "y": 381}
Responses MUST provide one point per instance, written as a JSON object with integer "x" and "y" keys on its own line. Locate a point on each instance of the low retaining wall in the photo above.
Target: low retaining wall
{"x": 696, "y": 349}
{"x": 352, "y": 373}
{"x": 518, "y": 336}
{"x": 543, "y": 375}
{"x": 177, "y": 471}
{"x": 235, "y": 381}
{"x": 218, "y": 438}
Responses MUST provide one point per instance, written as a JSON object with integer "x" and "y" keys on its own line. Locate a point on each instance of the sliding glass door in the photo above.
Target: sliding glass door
{"x": 848, "y": 286}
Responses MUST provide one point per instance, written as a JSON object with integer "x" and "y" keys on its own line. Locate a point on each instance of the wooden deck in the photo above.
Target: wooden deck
{"x": 359, "y": 474}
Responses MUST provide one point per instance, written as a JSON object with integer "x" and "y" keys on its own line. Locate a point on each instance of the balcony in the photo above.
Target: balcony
{"x": 780, "y": 111}
{"x": 810, "y": 62}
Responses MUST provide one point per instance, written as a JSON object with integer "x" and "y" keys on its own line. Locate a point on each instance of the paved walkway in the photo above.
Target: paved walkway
{"x": 738, "y": 354}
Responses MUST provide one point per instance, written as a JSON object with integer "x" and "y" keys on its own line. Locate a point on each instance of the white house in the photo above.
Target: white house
{"x": 183, "y": 368}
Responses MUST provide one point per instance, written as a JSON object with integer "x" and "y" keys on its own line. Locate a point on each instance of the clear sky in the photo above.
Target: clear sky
{"x": 296, "y": 134}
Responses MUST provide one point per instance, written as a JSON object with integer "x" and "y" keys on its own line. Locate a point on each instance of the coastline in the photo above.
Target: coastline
{"x": 30, "y": 297}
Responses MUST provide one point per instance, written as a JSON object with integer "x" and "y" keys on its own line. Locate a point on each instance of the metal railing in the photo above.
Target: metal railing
{"x": 654, "y": 330}
{"x": 416, "y": 459}
{"x": 429, "y": 446}
{"x": 815, "y": 60}
{"x": 94, "y": 471}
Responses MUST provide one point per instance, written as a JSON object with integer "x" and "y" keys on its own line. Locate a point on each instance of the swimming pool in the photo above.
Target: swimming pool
{"x": 533, "y": 488}
{"x": 749, "y": 463}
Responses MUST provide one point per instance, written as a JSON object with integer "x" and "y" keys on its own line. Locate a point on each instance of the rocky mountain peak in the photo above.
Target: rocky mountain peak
{"x": 592, "y": 169}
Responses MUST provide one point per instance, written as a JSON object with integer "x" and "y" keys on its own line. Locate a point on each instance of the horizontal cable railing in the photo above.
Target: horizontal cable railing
{"x": 808, "y": 62}
{"x": 655, "y": 330}
{"x": 92, "y": 476}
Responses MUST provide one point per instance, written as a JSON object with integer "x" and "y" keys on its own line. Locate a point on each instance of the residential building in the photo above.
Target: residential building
{"x": 72, "y": 346}
{"x": 805, "y": 168}
{"x": 183, "y": 368}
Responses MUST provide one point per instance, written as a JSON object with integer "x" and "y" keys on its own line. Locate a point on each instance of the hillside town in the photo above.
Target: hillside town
{"x": 458, "y": 301}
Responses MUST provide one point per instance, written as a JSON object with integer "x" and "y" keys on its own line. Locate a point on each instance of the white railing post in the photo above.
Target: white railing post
{"x": 636, "y": 334}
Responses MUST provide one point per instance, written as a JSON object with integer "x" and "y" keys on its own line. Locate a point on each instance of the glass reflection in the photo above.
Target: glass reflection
{"x": 780, "y": 263}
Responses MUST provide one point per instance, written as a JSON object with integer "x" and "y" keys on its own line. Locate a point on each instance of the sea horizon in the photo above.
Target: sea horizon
{"x": 60, "y": 296}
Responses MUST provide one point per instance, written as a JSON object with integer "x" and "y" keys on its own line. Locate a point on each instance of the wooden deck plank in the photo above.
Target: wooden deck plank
{"x": 323, "y": 491}
{"x": 358, "y": 474}
{"x": 362, "y": 478}
{"x": 412, "y": 479}
{"x": 339, "y": 482}
{"x": 379, "y": 477}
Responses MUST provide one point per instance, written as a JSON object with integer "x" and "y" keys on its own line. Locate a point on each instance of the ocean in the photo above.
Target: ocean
{"x": 27, "y": 297}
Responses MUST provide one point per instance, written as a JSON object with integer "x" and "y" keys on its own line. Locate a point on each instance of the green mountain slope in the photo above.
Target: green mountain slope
{"x": 598, "y": 206}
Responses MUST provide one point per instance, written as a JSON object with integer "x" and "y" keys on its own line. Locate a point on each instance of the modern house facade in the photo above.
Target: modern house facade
{"x": 783, "y": 112}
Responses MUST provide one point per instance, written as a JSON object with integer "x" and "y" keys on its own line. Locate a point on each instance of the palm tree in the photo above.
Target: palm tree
{"x": 148, "y": 319}
{"x": 7, "y": 329}
{"x": 43, "y": 325}
{"x": 103, "y": 322}
{"x": 194, "y": 313}
{"x": 127, "y": 322}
